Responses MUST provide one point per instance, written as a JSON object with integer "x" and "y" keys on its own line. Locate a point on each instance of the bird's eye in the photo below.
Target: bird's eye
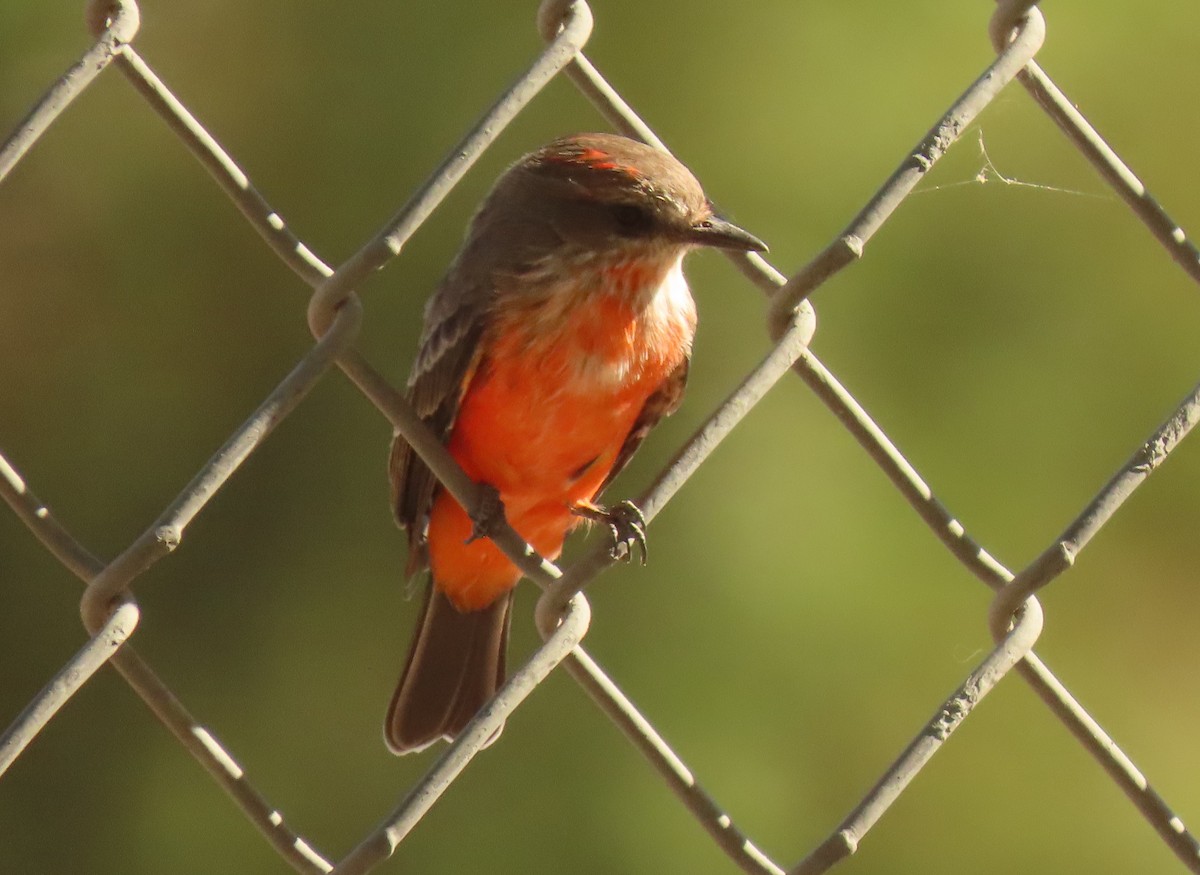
{"x": 632, "y": 220}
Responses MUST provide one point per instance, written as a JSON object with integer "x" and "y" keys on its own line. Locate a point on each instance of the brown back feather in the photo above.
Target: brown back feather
{"x": 450, "y": 352}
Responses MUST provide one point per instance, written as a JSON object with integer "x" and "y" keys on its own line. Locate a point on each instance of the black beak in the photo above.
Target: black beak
{"x": 717, "y": 232}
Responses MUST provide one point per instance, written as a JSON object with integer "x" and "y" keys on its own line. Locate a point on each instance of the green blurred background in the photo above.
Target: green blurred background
{"x": 796, "y": 625}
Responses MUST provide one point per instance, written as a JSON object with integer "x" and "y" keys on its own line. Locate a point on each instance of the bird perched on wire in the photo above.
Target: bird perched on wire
{"x": 559, "y": 337}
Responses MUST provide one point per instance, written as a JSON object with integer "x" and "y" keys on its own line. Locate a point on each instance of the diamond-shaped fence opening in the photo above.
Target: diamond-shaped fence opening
{"x": 767, "y": 636}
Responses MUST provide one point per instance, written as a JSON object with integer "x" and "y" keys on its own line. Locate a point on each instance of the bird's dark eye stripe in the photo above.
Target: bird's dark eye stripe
{"x": 632, "y": 219}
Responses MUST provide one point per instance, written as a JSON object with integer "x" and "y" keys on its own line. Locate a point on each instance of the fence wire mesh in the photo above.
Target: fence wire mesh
{"x": 112, "y": 615}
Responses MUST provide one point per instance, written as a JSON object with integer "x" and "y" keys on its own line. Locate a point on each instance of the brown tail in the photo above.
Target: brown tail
{"x": 455, "y": 664}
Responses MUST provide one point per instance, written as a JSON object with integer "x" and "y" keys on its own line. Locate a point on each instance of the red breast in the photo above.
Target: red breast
{"x": 548, "y": 408}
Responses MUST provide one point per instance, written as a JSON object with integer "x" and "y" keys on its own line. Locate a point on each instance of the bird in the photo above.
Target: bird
{"x": 558, "y": 338}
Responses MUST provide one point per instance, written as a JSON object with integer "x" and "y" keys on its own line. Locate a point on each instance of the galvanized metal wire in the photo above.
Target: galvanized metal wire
{"x": 110, "y": 612}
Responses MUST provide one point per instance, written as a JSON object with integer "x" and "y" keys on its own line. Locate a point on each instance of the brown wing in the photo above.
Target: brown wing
{"x": 663, "y": 402}
{"x": 455, "y": 319}
{"x": 449, "y": 354}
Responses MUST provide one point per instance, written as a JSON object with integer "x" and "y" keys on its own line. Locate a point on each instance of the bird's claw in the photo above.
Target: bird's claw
{"x": 625, "y": 522}
{"x": 488, "y": 513}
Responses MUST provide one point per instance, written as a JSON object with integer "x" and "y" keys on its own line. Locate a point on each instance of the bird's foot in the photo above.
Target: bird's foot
{"x": 488, "y": 513}
{"x": 626, "y": 523}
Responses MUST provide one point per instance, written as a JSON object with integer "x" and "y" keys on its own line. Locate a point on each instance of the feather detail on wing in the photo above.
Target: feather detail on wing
{"x": 450, "y": 352}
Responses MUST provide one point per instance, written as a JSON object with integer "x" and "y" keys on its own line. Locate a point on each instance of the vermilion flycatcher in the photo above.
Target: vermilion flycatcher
{"x": 559, "y": 337}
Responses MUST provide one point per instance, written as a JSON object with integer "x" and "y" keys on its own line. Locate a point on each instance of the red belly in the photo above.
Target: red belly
{"x": 544, "y": 426}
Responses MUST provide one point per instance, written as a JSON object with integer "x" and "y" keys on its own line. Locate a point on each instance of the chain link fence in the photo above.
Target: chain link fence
{"x": 111, "y": 614}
